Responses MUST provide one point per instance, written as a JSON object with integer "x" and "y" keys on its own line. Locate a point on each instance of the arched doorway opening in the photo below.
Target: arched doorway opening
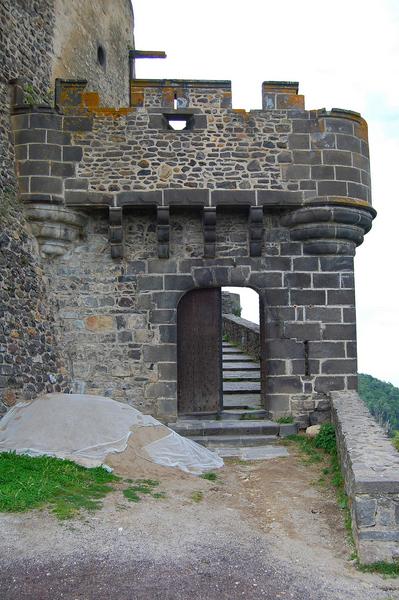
{"x": 215, "y": 374}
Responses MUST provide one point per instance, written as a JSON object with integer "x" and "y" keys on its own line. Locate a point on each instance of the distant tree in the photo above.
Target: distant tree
{"x": 382, "y": 399}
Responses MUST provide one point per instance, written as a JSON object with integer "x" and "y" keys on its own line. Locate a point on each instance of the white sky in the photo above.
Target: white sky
{"x": 344, "y": 54}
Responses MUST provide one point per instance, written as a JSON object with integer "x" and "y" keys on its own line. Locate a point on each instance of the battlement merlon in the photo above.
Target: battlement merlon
{"x": 310, "y": 165}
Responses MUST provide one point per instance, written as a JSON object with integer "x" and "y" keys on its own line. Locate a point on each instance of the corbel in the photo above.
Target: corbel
{"x": 116, "y": 231}
{"x": 255, "y": 224}
{"x": 209, "y": 225}
{"x": 163, "y": 228}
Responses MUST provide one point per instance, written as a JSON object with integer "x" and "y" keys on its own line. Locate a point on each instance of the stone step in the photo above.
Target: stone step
{"x": 229, "y": 375}
{"x": 239, "y": 413}
{"x": 241, "y": 387}
{"x": 231, "y": 350}
{"x": 234, "y": 357}
{"x": 225, "y": 427}
{"x": 234, "y": 441}
{"x": 242, "y": 366}
{"x": 241, "y": 401}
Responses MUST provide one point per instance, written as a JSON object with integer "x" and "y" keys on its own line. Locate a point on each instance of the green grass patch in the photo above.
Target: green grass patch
{"x": 395, "y": 440}
{"x": 197, "y": 496}
{"x": 210, "y": 476}
{"x": 285, "y": 420}
{"x": 27, "y": 482}
{"x": 383, "y": 568}
{"x": 143, "y": 486}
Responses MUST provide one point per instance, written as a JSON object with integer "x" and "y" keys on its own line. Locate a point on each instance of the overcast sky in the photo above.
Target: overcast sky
{"x": 344, "y": 54}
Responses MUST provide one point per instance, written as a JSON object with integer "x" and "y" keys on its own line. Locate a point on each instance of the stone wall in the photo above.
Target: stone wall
{"x": 26, "y": 50}
{"x": 371, "y": 468}
{"x": 134, "y": 214}
{"x": 92, "y": 40}
{"x": 30, "y": 359}
{"x": 231, "y": 303}
{"x": 243, "y": 333}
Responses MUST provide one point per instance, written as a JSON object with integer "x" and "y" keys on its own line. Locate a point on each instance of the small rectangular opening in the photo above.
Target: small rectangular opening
{"x": 179, "y": 122}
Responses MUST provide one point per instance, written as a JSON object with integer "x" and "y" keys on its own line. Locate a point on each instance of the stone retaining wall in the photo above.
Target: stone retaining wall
{"x": 370, "y": 465}
{"x": 243, "y": 333}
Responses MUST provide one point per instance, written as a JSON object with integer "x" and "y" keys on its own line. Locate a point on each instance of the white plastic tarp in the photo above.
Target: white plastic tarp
{"x": 87, "y": 428}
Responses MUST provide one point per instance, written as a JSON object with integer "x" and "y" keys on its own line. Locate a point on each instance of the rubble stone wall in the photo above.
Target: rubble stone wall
{"x": 370, "y": 466}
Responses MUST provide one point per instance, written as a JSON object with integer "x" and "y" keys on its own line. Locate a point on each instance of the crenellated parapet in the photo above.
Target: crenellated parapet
{"x": 181, "y": 144}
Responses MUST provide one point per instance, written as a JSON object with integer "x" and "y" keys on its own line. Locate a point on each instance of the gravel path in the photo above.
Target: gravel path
{"x": 264, "y": 530}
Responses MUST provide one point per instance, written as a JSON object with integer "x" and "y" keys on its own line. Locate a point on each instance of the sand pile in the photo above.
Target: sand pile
{"x": 94, "y": 430}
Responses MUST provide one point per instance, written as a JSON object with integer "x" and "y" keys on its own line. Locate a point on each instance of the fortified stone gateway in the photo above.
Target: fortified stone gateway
{"x": 131, "y": 214}
{"x": 133, "y": 227}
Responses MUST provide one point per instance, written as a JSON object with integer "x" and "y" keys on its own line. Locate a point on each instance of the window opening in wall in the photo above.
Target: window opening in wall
{"x": 179, "y": 122}
{"x": 101, "y": 56}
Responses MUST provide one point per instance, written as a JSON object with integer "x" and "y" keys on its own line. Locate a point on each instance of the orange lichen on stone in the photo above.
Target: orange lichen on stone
{"x": 136, "y": 96}
{"x": 99, "y": 323}
{"x": 361, "y": 130}
{"x": 168, "y": 95}
{"x": 91, "y": 99}
{"x": 290, "y": 101}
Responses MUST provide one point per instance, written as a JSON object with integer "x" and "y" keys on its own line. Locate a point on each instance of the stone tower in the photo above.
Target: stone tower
{"x": 41, "y": 40}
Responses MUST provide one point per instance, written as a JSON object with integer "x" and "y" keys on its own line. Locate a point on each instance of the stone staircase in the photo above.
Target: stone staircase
{"x": 242, "y": 426}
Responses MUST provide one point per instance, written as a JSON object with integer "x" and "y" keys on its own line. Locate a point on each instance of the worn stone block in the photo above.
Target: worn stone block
{"x": 150, "y": 282}
{"x": 283, "y": 385}
{"x": 337, "y": 157}
{"x": 305, "y": 263}
{"x": 340, "y": 332}
{"x": 339, "y": 366}
{"x": 167, "y": 333}
{"x": 44, "y": 152}
{"x": 100, "y": 323}
{"x": 329, "y": 383}
{"x": 161, "y": 353}
{"x": 34, "y": 167}
{"x": 297, "y": 280}
{"x": 72, "y": 153}
{"x": 61, "y": 169}
{"x": 167, "y": 371}
{"x": 307, "y": 297}
{"x": 302, "y": 331}
{"x": 341, "y": 297}
{"x": 326, "y": 280}
{"x": 266, "y": 280}
{"x": 326, "y": 349}
{"x": 162, "y": 266}
{"x": 178, "y": 282}
{"x": 331, "y": 188}
{"x": 47, "y": 185}
{"x": 29, "y": 136}
{"x": 322, "y": 172}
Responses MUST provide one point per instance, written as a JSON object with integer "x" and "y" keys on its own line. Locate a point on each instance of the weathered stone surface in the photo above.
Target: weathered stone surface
{"x": 370, "y": 466}
{"x": 312, "y": 430}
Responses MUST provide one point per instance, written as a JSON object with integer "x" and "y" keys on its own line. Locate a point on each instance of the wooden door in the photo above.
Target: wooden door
{"x": 199, "y": 352}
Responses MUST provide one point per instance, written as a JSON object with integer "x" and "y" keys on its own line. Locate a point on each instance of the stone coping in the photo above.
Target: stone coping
{"x": 370, "y": 460}
{"x": 242, "y": 322}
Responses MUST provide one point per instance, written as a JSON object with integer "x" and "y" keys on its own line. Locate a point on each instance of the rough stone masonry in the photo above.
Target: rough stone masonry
{"x": 130, "y": 214}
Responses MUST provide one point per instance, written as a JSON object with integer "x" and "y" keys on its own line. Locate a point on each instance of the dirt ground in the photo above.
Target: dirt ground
{"x": 264, "y": 529}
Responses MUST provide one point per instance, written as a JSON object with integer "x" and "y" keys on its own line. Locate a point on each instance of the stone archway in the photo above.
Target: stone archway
{"x": 199, "y": 353}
